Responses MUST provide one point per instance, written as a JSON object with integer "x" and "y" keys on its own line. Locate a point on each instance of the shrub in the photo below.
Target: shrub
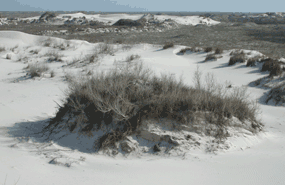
{"x": 118, "y": 101}
{"x": 276, "y": 70}
{"x": 35, "y": 51}
{"x": 237, "y": 58}
{"x": 211, "y": 57}
{"x": 132, "y": 57}
{"x": 104, "y": 48}
{"x": 184, "y": 50}
{"x": 2, "y": 49}
{"x": 218, "y": 51}
{"x": 208, "y": 49}
{"x": 251, "y": 62}
{"x": 54, "y": 56}
{"x": 92, "y": 58}
{"x": 168, "y": 45}
{"x": 268, "y": 64}
{"x": 48, "y": 42}
{"x": 36, "y": 70}
{"x": 277, "y": 94}
{"x": 8, "y": 56}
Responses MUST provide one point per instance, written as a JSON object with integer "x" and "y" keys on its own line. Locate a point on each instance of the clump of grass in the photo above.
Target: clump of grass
{"x": 276, "y": 70}
{"x": 211, "y": 57}
{"x": 36, "y": 70}
{"x": 168, "y": 45}
{"x": 52, "y": 74}
{"x": 208, "y": 49}
{"x": 238, "y": 58}
{"x": 218, "y": 51}
{"x": 2, "y": 49}
{"x": 184, "y": 50}
{"x": 92, "y": 58}
{"x": 251, "y": 62}
{"x": 54, "y": 56}
{"x": 48, "y": 42}
{"x": 104, "y": 48}
{"x": 277, "y": 94}
{"x": 14, "y": 48}
{"x": 119, "y": 100}
{"x": 132, "y": 57}
{"x": 62, "y": 45}
{"x": 35, "y": 51}
{"x": 8, "y": 56}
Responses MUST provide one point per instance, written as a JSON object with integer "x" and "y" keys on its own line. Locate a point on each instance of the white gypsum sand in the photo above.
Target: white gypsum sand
{"x": 25, "y": 101}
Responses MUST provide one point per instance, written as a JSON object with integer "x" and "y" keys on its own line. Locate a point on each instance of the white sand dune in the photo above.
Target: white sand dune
{"x": 110, "y": 19}
{"x": 251, "y": 159}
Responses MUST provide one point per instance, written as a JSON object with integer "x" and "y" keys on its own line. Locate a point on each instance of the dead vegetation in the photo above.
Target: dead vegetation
{"x": 118, "y": 101}
{"x": 272, "y": 66}
{"x": 237, "y": 58}
{"x": 208, "y": 49}
{"x": 277, "y": 94}
{"x": 212, "y": 57}
{"x": 2, "y": 49}
{"x": 54, "y": 56}
{"x": 168, "y": 45}
{"x": 36, "y": 70}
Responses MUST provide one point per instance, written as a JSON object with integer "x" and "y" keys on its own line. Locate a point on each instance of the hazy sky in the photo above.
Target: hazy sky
{"x": 145, "y": 5}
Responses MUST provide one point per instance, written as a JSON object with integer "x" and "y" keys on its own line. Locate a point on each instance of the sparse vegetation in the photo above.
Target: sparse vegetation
{"x": 211, "y": 57}
{"x": 132, "y": 57}
{"x": 237, "y": 58}
{"x": 35, "y": 51}
{"x": 208, "y": 49}
{"x": 8, "y": 56}
{"x": 252, "y": 62}
{"x": 184, "y": 50}
{"x": 277, "y": 94}
{"x": 272, "y": 66}
{"x": 2, "y": 49}
{"x": 119, "y": 100}
{"x": 218, "y": 51}
{"x": 168, "y": 45}
{"x": 36, "y": 70}
{"x": 54, "y": 56}
{"x": 104, "y": 48}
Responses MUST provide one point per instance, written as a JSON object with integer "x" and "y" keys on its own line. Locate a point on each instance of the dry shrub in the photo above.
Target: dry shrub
{"x": 35, "y": 51}
{"x": 35, "y": 70}
{"x": 251, "y": 62}
{"x": 276, "y": 70}
{"x": 168, "y": 45}
{"x": 104, "y": 48}
{"x": 48, "y": 42}
{"x": 272, "y": 66}
{"x": 132, "y": 57}
{"x": 54, "y": 56}
{"x": 117, "y": 101}
{"x": 184, "y": 50}
{"x": 277, "y": 94}
{"x": 211, "y": 57}
{"x": 218, "y": 51}
{"x": 238, "y": 58}
{"x": 8, "y": 56}
{"x": 208, "y": 49}
{"x": 2, "y": 49}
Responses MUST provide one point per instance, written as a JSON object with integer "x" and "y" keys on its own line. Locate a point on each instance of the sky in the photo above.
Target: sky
{"x": 144, "y": 5}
